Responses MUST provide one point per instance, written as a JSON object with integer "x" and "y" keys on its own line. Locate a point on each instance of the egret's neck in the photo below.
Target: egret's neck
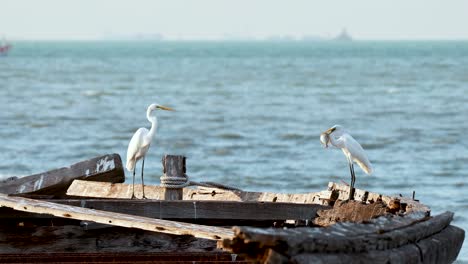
{"x": 154, "y": 122}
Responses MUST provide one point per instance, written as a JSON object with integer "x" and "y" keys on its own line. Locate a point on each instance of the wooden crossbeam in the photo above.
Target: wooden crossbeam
{"x": 216, "y": 210}
{"x": 112, "y": 218}
{"x": 122, "y": 191}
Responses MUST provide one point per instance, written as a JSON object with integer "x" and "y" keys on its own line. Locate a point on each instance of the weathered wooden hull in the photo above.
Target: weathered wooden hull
{"x": 315, "y": 228}
{"x": 383, "y": 240}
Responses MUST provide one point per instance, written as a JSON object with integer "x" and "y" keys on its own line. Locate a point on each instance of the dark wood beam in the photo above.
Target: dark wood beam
{"x": 193, "y": 210}
{"x": 107, "y": 168}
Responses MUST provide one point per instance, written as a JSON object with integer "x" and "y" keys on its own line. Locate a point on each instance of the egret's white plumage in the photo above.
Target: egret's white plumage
{"x": 338, "y": 137}
{"x": 138, "y": 146}
{"x": 140, "y": 143}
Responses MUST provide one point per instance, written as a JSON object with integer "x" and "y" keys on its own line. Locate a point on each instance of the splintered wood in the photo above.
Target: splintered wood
{"x": 366, "y": 206}
{"x": 352, "y": 211}
{"x": 117, "y": 219}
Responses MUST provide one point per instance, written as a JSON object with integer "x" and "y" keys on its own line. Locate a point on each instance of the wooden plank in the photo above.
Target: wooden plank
{"x": 124, "y": 191}
{"x": 110, "y": 218}
{"x": 123, "y": 257}
{"x": 322, "y": 197}
{"x": 195, "y": 209}
{"x": 93, "y": 189}
{"x": 106, "y": 168}
{"x": 74, "y": 238}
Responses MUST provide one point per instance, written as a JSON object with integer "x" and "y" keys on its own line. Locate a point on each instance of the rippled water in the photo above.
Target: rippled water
{"x": 248, "y": 114}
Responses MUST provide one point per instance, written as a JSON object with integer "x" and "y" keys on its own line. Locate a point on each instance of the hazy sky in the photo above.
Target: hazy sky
{"x": 211, "y": 19}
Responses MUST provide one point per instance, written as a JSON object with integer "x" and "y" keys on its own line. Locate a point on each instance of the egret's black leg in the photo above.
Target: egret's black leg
{"x": 351, "y": 171}
{"x": 133, "y": 189}
{"x": 353, "y": 179}
{"x": 142, "y": 182}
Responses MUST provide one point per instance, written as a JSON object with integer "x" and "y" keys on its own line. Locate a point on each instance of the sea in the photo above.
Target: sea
{"x": 248, "y": 114}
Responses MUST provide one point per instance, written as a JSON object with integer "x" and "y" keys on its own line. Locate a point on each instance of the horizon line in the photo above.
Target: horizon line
{"x": 240, "y": 39}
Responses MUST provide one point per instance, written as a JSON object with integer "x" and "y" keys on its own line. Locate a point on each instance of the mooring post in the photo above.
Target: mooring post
{"x": 173, "y": 166}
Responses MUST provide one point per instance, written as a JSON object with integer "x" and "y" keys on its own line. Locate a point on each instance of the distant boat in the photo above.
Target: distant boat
{"x": 4, "y": 47}
{"x": 343, "y": 36}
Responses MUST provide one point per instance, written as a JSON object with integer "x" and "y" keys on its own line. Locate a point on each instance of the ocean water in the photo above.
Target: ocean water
{"x": 248, "y": 114}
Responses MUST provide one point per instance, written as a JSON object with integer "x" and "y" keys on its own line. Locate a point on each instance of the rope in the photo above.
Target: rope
{"x": 174, "y": 182}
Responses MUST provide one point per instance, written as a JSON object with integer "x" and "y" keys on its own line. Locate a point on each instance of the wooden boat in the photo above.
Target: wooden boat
{"x": 97, "y": 222}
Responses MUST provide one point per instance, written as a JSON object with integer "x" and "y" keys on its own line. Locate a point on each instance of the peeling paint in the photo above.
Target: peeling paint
{"x": 38, "y": 184}
{"x": 22, "y": 188}
{"x": 105, "y": 165}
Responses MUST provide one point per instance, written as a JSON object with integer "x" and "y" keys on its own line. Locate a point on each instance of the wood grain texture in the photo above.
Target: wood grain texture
{"x": 442, "y": 247}
{"x": 383, "y": 233}
{"x": 173, "y": 166}
{"x": 107, "y": 168}
{"x": 125, "y": 258}
{"x": 82, "y": 239}
{"x": 216, "y": 210}
{"x": 124, "y": 191}
{"x": 117, "y": 219}
{"x": 350, "y": 211}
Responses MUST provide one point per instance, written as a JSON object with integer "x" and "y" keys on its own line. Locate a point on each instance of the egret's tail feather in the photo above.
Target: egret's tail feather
{"x": 366, "y": 167}
{"x": 130, "y": 165}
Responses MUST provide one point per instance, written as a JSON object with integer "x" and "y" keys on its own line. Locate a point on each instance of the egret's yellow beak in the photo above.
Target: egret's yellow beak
{"x": 330, "y": 130}
{"x": 165, "y": 108}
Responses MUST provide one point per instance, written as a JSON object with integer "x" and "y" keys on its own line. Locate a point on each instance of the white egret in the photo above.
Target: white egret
{"x": 140, "y": 143}
{"x": 338, "y": 137}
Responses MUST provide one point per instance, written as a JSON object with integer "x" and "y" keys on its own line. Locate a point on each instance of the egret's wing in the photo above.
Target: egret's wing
{"x": 357, "y": 153}
{"x": 134, "y": 146}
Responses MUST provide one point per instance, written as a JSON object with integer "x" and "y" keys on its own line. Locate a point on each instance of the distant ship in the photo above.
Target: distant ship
{"x": 343, "y": 36}
{"x": 4, "y": 47}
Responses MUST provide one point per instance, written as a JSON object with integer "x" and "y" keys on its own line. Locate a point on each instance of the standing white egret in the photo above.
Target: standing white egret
{"x": 140, "y": 143}
{"x": 338, "y": 137}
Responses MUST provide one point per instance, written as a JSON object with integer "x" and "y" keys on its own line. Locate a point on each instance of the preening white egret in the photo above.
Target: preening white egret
{"x": 338, "y": 137}
{"x": 140, "y": 143}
